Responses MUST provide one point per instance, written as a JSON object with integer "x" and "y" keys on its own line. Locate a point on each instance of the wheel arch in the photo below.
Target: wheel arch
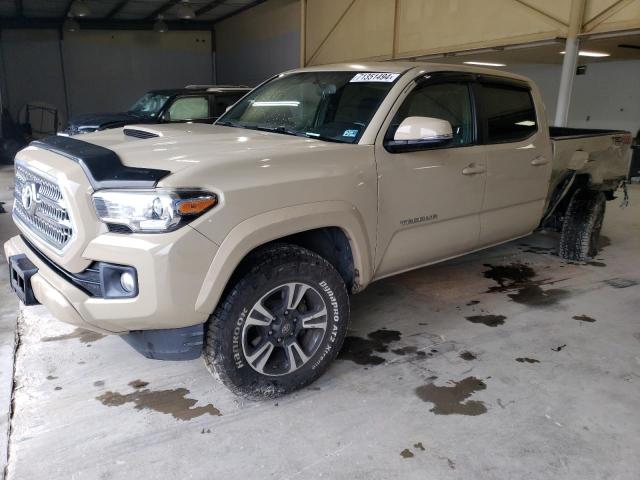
{"x": 315, "y": 226}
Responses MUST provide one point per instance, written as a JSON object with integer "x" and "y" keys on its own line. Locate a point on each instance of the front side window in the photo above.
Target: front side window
{"x": 149, "y": 105}
{"x": 445, "y": 101}
{"x": 332, "y": 106}
{"x": 509, "y": 113}
{"x": 188, "y": 108}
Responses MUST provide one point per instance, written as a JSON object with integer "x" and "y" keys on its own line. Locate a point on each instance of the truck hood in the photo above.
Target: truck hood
{"x": 180, "y": 146}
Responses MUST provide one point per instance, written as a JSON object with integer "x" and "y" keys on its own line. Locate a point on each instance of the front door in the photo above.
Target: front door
{"x": 430, "y": 200}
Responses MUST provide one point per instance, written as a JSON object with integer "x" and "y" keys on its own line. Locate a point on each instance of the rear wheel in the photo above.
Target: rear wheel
{"x": 281, "y": 324}
{"x": 582, "y": 225}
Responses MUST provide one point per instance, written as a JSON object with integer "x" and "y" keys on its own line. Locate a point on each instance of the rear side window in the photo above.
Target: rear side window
{"x": 508, "y": 113}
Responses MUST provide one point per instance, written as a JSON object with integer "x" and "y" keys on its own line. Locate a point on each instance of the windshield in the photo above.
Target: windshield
{"x": 149, "y": 105}
{"x": 332, "y": 106}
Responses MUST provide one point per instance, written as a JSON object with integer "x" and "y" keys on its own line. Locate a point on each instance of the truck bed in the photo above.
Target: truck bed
{"x": 604, "y": 155}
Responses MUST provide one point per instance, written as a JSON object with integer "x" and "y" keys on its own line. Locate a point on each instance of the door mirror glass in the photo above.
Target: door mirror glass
{"x": 416, "y": 132}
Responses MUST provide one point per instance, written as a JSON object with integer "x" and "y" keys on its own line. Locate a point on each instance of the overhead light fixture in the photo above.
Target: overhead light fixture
{"x": 70, "y": 25}
{"x": 589, "y": 53}
{"x": 160, "y": 26}
{"x": 486, "y": 64}
{"x": 185, "y": 11}
{"x": 79, "y": 8}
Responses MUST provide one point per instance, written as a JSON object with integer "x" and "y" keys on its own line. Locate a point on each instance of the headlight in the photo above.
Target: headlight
{"x": 151, "y": 211}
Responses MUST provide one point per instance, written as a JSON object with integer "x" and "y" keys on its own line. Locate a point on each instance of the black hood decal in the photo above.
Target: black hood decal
{"x": 103, "y": 167}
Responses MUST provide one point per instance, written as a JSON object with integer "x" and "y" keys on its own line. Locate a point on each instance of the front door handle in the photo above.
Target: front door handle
{"x": 539, "y": 161}
{"x": 473, "y": 169}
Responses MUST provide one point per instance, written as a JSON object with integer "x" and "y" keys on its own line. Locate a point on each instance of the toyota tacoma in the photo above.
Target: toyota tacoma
{"x": 242, "y": 241}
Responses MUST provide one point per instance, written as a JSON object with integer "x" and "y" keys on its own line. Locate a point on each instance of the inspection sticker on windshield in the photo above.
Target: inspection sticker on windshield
{"x": 350, "y": 133}
{"x": 374, "y": 77}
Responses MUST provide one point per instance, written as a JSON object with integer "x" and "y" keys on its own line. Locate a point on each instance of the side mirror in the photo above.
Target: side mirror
{"x": 415, "y": 133}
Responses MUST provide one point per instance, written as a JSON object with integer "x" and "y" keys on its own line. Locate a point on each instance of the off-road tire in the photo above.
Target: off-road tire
{"x": 581, "y": 226}
{"x": 279, "y": 264}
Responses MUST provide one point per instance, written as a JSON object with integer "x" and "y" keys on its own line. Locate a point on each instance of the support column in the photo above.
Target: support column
{"x": 570, "y": 62}
{"x": 303, "y": 33}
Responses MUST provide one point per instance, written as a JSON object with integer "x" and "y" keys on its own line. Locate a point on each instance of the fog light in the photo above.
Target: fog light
{"x": 128, "y": 282}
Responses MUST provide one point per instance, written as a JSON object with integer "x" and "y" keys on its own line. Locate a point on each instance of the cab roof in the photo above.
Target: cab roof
{"x": 405, "y": 66}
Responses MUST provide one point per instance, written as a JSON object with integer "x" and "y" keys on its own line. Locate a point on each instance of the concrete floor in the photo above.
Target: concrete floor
{"x": 457, "y": 371}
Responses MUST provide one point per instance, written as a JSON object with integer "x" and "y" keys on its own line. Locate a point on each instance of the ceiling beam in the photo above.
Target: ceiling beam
{"x": 116, "y": 9}
{"x": 555, "y": 20}
{"x": 209, "y": 6}
{"x": 605, "y": 14}
{"x": 161, "y": 9}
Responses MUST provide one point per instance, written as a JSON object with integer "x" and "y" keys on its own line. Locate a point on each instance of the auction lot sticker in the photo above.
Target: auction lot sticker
{"x": 374, "y": 77}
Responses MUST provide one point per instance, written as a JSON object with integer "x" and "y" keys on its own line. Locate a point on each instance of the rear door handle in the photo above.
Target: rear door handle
{"x": 539, "y": 161}
{"x": 473, "y": 169}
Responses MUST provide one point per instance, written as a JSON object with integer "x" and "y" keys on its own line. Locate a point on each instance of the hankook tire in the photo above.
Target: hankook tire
{"x": 280, "y": 325}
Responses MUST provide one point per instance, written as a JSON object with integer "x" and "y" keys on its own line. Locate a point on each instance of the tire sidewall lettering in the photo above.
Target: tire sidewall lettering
{"x": 236, "y": 348}
{"x": 335, "y": 317}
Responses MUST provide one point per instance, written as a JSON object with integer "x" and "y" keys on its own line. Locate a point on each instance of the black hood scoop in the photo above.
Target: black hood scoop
{"x": 103, "y": 167}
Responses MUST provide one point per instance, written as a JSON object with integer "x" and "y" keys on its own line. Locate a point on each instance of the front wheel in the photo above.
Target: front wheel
{"x": 280, "y": 325}
{"x": 582, "y": 225}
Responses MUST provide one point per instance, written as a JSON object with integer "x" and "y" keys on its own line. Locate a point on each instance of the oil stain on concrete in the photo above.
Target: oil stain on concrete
{"x": 621, "y": 282}
{"x": 363, "y": 350}
{"x": 584, "y": 318}
{"x": 527, "y": 248}
{"x": 518, "y": 279}
{"x": 406, "y": 453}
{"x": 170, "y": 402}
{"x": 468, "y": 356}
{"x": 527, "y": 360}
{"x": 85, "y": 336}
{"x": 405, "y": 350}
{"x": 488, "y": 320}
{"x": 453, "y": 400}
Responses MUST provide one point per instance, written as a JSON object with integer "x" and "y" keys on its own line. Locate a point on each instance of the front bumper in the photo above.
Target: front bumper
{"x": 171, "y": 268}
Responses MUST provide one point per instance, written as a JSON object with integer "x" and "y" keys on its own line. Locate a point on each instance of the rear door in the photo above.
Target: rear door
{"x": 518, "y": 159}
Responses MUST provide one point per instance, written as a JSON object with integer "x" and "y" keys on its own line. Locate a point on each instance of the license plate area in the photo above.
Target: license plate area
{"x": 21, "y": 269}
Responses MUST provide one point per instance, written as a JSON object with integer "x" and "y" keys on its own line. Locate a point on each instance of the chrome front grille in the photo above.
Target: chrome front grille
{"x": 39, "y": 206}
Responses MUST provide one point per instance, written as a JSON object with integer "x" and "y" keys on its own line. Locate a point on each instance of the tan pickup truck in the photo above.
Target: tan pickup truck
{"x": 241, "y": 241}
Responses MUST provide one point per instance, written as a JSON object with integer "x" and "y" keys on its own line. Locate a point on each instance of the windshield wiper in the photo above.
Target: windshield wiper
{"x": 281, "y": 129}
{"x": 317, "y": 136}
{"x": 229, "y": 124}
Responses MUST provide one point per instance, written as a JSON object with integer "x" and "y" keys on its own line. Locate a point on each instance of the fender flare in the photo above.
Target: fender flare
{"x": 269, "y": 226}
